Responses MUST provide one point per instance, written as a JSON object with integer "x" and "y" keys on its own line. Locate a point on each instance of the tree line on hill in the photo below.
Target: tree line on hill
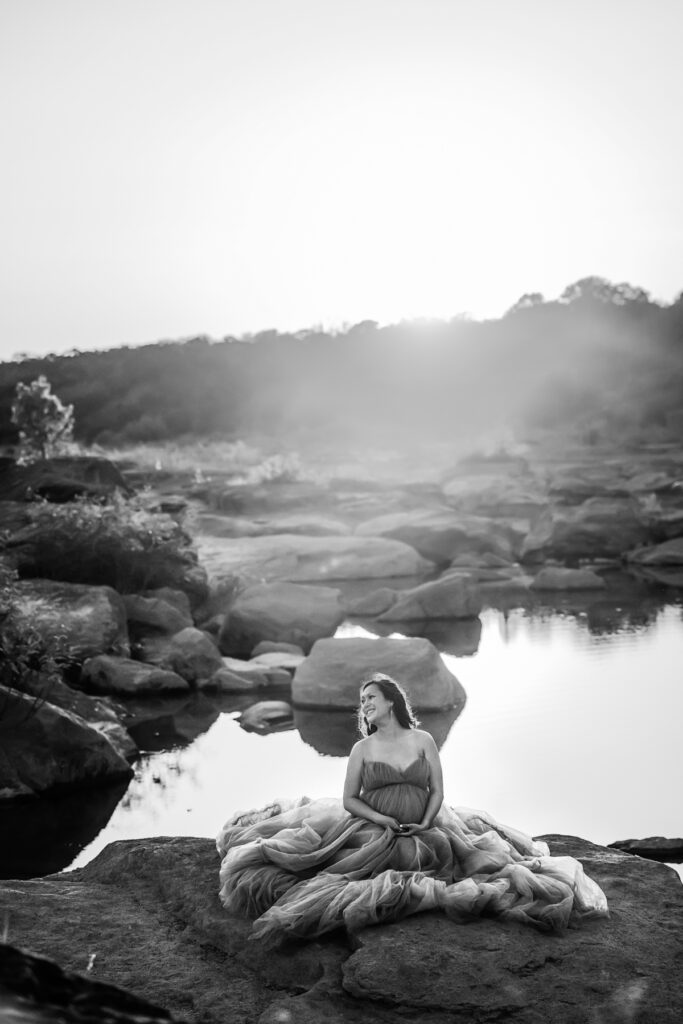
{"x": 603, "y": 357}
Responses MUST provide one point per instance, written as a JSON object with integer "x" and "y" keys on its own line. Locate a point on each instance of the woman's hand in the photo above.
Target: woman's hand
{"x": 386, "y": 821}
{"x": 412, "y": 829}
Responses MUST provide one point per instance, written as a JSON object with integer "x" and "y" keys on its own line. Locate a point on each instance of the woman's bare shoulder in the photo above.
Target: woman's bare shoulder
{"x": 425, "y": 740}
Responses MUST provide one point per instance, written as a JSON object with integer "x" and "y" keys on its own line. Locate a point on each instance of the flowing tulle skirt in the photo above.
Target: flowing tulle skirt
{"x": 302, "y": 868}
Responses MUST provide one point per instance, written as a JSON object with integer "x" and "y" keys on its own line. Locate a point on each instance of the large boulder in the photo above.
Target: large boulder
{"x": 668, "y": 553}
{"x": 192, "y": 957}
{"x": 597, "y": 528}
{"x": 331, "y": 675}
{"x": 289, "y": 612}
{"x": 451, "y": 597}
{"x": 44, "y": 748}
{"x": 128, "y": 678}
{"x": 191, "y": 653}
{"x": 157, "y": 611}
{"x": 305, "y": 559}
{"x": 100, "y": 712}
{"x": 441, "y": 536}
{"x": 91, "y": 620}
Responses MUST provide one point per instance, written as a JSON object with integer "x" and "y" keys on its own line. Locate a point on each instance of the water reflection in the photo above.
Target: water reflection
{"x": 335, "y": 732}
{"x": 555, "y": 691}
{"x": 459, "y": 637}
{"x": 48, "y": 833}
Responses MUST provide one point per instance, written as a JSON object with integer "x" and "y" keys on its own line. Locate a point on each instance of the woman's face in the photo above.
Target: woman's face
{"x": 374, "y": 704}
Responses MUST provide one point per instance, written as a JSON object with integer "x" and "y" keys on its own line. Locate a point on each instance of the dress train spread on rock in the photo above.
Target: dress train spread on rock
{"x": 302, "y": 868}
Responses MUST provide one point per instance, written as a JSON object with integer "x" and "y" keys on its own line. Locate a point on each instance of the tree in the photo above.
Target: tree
{"x": 43, "y": 421}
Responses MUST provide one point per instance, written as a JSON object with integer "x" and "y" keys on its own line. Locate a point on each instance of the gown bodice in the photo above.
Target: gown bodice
{"x": 401, "y": 793}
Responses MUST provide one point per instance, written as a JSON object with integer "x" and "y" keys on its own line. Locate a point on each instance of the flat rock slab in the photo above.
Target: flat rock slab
{"x": 297, "y": 558}
{"x": 148, "y": 910}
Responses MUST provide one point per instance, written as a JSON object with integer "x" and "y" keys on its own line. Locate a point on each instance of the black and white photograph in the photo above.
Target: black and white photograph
{"x": 341, "y": 512}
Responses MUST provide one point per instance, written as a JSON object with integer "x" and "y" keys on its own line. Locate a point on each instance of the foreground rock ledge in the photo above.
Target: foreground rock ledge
{"x": 148, "y": 910}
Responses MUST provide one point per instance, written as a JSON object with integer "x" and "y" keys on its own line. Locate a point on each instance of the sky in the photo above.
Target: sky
{"x": 182, "y": 167}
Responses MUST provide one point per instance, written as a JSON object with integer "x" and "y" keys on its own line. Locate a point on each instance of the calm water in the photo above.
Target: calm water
{"x": 572, "y": 725}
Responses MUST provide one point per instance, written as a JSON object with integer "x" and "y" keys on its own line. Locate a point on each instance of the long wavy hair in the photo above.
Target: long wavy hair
{"x": 394, "y": 692}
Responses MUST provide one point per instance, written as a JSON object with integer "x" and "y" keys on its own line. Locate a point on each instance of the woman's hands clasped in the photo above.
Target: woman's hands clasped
{"x": 411, "y": 829}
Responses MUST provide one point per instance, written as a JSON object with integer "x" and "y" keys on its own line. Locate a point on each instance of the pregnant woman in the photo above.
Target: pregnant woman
{"x": 391, "y": 847}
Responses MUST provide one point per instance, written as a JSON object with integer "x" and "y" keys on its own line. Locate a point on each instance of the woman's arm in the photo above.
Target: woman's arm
{"x": 435, "y": 787}
{"x": 352, "y": 787}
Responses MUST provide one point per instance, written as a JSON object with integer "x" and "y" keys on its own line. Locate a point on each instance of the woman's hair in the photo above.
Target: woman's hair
{"x": 394, "y": 692}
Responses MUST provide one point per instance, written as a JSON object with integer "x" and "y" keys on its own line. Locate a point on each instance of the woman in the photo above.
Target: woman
{"x": 391, "y": 847}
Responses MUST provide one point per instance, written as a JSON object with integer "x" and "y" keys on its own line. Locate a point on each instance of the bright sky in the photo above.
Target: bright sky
{"x": 176, "y": 167}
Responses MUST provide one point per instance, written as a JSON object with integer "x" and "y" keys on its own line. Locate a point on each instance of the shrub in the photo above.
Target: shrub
{"x": 43, "y": 421}
{"x": 118, "y": 543}
{"x": 24, "y": 652}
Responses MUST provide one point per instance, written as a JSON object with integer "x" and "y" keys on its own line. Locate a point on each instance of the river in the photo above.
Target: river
{"x": 572, "y": 725}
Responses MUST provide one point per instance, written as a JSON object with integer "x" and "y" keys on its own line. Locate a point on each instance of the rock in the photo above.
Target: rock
{"x": 301, "y": 559}
{"x": 450, "y": 597}
{"x": 191, "y": 653}
{"x": 99, "y": 712}
{"x": 34, "y": 990}
{"x": 91, "y": 709}
{"x": 44, "y": 748}
{"x": 668, "y": 553}
{"x": 156, "y": 614}
{"x": 606, "y": 970}
{"x": 331, "y": 675}
{"x": 267, "y": 716}
{"x": 267, "y": 497}
{"x": 598, "y": 528}
{"x": 441, "y": 535}
{"x": 106, "y": 674}
{"x": 289, "y": 612}
{"x": 233, "y": 526}
{"x": 271, "y": 646}
{"x": 238, "y": 676}
{"x": 92, "y": 620}
{"x": 654, "y": 848}
{"x": 149, "y": 910}
{"x": 279, "y": 659}
{"x": 61, "y": 479}
{"x": 496, "y": 496}
{"x": 371, "y": 604}
{"x": 190, "y": 956}
{"x": 554, "y": 577}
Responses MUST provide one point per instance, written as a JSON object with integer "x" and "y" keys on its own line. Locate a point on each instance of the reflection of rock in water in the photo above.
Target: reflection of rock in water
{"x": 451, "y": 636}
{"x": 49, "y": 832}
{"x": 267, "y": 716}
{"x": 335, "y": 732}
{"x": 164, "y": 722}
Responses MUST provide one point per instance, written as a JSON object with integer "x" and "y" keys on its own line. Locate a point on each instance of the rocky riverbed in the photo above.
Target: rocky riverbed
{"x": 145, "y": 916}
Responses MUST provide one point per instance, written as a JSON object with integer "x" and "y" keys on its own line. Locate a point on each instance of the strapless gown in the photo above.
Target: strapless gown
{"x": 305, "y": 867}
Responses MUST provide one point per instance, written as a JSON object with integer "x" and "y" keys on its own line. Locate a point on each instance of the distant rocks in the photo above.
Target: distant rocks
{"x": 559, "y": 578}
{"x": 304, "y": 559}
{"x": 280, "y": 612}
{"x": 655, "y": 848}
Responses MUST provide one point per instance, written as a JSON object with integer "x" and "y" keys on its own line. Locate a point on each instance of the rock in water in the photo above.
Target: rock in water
{"x": 331, "y": 675}
{"x": 43, "y": 747}
{"x": 289, "y": 612}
